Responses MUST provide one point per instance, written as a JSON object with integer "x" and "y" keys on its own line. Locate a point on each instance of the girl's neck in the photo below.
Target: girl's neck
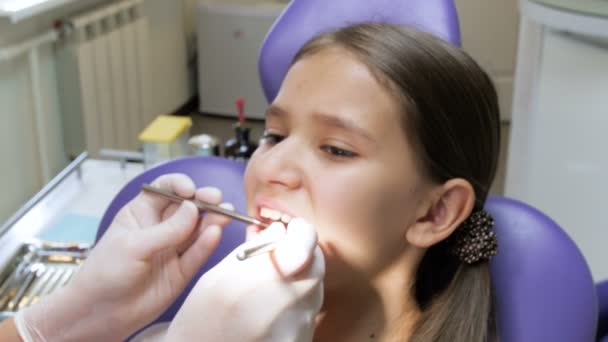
{"x": 380, "y": 311}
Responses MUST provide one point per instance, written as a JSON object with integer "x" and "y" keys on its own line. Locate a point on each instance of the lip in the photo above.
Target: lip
{"x": 263, "y": 201}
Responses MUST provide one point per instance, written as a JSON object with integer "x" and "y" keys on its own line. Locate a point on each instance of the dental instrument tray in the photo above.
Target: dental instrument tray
{"x": 36, "y": 270}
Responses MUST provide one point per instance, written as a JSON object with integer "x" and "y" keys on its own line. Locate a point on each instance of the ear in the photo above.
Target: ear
{"x": 452, "y": 204}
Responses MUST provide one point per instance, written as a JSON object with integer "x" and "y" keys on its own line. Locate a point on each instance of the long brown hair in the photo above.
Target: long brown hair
{"x": 451, "y": 117}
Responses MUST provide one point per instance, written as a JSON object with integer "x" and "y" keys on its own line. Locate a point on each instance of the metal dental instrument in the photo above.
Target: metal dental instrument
{"x": 202, "y": 205}
{"x": 241, "y": 255}
{"x": 46, "y": 287}
{"x": 261, "y": 248}
{"x": 36, "y": 288}
{"x": 33, "y": 272}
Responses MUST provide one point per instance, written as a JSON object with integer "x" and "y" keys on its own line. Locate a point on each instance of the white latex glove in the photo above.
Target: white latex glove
{"x": 268, "y": 297}
{"x": 143, "y": 262}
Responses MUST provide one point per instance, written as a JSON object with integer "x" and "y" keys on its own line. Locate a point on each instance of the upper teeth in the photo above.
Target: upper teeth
{"x": 274, "y": 215}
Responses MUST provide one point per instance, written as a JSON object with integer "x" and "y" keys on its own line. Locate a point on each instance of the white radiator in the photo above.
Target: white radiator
{"x": 102, "y": 71}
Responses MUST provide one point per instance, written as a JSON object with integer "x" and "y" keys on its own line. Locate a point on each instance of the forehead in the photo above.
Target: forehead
{"x": 335, "y": 81}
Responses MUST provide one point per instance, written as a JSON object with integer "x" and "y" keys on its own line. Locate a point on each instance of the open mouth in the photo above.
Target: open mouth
{"x": 269, "y": 210}
{"x": 269, "y": 215}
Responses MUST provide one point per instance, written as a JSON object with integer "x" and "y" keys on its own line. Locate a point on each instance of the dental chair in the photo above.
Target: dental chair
{"x": 543, "y": 285}
{"x": 304, "y": 19}
{"x": 602, "y": 298}
{"x": 544, "y": 288}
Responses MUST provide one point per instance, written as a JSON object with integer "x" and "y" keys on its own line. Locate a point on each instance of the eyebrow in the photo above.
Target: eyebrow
{"x": 327, "y": 119}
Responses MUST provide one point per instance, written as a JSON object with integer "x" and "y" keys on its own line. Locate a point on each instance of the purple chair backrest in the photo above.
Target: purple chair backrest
{"x": 602, "y": 301}
{"x": 544, "y": 288}
{"x": 304, "y": 19}
{"x": 224, "y": 174}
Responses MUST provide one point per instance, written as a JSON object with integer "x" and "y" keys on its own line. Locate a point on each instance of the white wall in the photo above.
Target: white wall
{"x": 489, "y": 31}
{"x": 170, "y": 86}
{"x": 566, "y": 172}
{"x": 20, "y": 168}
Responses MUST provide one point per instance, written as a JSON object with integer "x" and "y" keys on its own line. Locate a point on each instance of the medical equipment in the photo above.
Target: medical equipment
{"x": 165, "y": 138}
{"x": 36, "y": 270}
{"x": 263, "y": 247}
{"x": 239, "y": 147}
{"x": 266, "y": 246}
{"x": 202, "y": 205}
{"x": 204, "y": 145}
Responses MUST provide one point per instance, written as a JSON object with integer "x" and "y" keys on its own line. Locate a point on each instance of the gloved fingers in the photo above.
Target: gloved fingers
{"x": 253, "y": 232}
{"x": 177, "y": 183}
{"x": 274, "y": 232}
{"x": 169, "y": 211}
{"x": 317, "y": 268}
{"x": 295, "y": 251}
{"x": 209, "y": 219}
{"x": 250, "y": 232}
{"x": 292, "y": 253}
{"x": 257, "y": 264}
{"x": 209, "y": 194}
{"x": 270, "y": 235}
{"x": 199, "y": 251}
{"x": 169, "y": 233}
{"x": 26, "y": 332}
{"x": 317, "y": 272}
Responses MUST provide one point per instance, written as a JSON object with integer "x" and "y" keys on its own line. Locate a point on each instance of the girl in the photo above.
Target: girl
{"x": 386, "y": 140}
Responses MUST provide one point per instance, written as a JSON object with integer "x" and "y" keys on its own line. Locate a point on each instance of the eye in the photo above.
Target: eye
{"x": 338, "y": 152}
{"x": 271, "y": 138}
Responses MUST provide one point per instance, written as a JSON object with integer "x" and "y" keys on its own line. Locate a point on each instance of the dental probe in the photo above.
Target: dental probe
{"x": 202, "y": 205}
{"x": 241, "y": 255}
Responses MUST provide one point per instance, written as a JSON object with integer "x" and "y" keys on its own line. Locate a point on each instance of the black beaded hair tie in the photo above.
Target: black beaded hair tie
{"x": 474, "y": 240}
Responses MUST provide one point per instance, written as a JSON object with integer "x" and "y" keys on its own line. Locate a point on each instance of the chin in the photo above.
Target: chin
{"x": 337, "y": 271}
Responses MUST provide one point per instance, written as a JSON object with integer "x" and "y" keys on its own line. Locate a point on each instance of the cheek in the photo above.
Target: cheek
{"x": 250, "y": 181}
{"x": 358, "y": 204}
{"x": 365, "y": 217}
{"x": 370, "y": 210}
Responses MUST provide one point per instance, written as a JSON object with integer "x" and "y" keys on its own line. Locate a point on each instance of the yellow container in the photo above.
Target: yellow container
{"x": 165, "y": 138}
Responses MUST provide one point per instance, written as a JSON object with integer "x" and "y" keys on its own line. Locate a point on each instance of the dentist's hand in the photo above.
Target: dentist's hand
{"x": 143, "y": 262}
{"x": 268, "y": 297}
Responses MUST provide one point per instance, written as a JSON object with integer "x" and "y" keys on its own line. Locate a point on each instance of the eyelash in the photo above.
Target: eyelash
{"x": 271, "y": 138}
{"x": 336, "y": 152}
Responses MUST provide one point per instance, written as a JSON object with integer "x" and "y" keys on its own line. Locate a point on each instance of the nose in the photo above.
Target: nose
{"x": 279, "y": 166}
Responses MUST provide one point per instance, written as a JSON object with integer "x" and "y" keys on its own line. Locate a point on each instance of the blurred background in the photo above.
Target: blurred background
{"x": 489, "y": 33}
{"x": 93, "y": 74}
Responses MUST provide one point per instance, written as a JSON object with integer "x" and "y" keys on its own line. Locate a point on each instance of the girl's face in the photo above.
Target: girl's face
{"x": 335, "y": 154}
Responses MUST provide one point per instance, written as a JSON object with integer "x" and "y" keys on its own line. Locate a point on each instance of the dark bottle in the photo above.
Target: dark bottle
{"x": 239, "y": 147}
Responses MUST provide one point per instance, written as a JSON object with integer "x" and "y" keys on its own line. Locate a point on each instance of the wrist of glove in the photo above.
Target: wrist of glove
{"x": 66, "y": 315}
